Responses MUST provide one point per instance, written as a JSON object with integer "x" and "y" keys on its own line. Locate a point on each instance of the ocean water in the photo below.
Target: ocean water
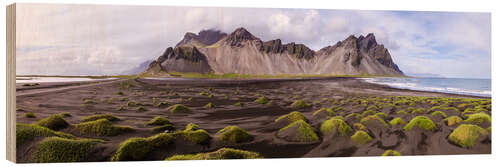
{"x": 476, "y": 87}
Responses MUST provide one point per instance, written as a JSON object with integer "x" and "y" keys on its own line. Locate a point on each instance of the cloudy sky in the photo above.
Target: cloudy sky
{"x": 95, "y": 40}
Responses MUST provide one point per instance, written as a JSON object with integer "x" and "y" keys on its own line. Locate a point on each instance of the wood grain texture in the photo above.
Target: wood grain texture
{"x": 11, "y": 83}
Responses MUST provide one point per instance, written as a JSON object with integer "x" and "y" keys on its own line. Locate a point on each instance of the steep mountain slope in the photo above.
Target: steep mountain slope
{"x": 243, "y": 53}
{"x": 139, "y": 69}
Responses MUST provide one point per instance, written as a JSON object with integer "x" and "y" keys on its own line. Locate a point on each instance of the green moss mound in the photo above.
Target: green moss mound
{"x": 298, "y": 131}
{"x": 418, "y": 111}
{"x": 223, "y": 153}
{"x": 438, "y": 114}
{"x": 192, "y": 127}
{"x": 101, "y": 127}
{"x": 353, "y": 116}
{"x": 102, "y": 116}
{"x": 261, "y": 100}
{"x": 141, "y": 109}
{"x": 198, "y": 136}
{"x": 359, "y": 126}
{"x": 422, "y": 122}
{"x": 209, "y": 105}
{"x": 397, "y": 121}
{"x": 402, "y": 112}
{"x": 164, "y": 128}
{"x": 28, "y": 132}
{"x": 478, "y": 118}
{"x": 238, "y": 104}
{"x": 138, "y": 148}
{"x": 158, "y": 120}
{"x": 368, "y": 112}
{"x": 178, "y": 108}
{"x": 292, "y": 117}
{"x": 300, "y": 104}
{"x": 466, "y": 135}
{"x": 54, "y": 122}
{"x": 324, "y": 111}
{"x": 381, "y": 115}
{"x": 335, "y": 126}
{"x": 391, "y": 153}
{"x": 56, "y": 149}
{"x": 375, "y": 119}
{"x": 361, "y": 137}
{"x": 29, "y": 115}
{"x": 452, "y": 120}
{"x": 234, "y": 134}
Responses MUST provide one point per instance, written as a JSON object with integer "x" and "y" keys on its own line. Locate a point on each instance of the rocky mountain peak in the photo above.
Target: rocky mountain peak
{"x": 206, "y": 37}
{"x": 238, "y": 36}
{"x": 365, "y": 43}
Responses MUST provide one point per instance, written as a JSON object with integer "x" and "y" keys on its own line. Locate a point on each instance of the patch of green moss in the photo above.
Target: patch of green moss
{"x": 238, "y": 104}
{"x": 101, "y": 127}
{"x": 158, "y": 120}
{"x": 300, "y": 104}
{"x": 381, "y": 115}
{"x": 261, "y": 100}
{"x": 368, "y": 112}
{"x": 397, "y": 121}
{"x": 28, "y": 132}
{"x": 328, "y": 111}
{"x": 162, "y": 104}
{"x": 138, "y": 148}
{"x": 391, "y": 153}
{"x": 359, "y": 126}
{"x": 353, "y": 115}
{"x": 164, "y": 128}
{"x": 199, "y": 136}
{"x": 101, "y": 116}
{"x": 452, "y": 120}
{"x": 478, "y": 118}
{"x": 305, "y": 133}
{"x": 371, "y": 118}
{"x": 29, "y": 115}
{"x": 418, "y": 111}
{"x": 402, "y": 112}
{"x": 209, "y": 105}
{"x": 54, "y": 122}
{"x": 65, "y": 114}
{"x": 234, "y": 134}
{"x": 178, "y": 108}
{"x": 361, "y": 137}
{"x": 438, "y": 114}
{"x": 422, "y": 122}
{"x": 56, "y": 149}
{"x": 192, "y": 127}
{"x": 131, "y": 104}
{"x": 292, "y": 117}
{"x": 466, "y": 135}
{"x": 223, "y": 153}
{"x": 335, "y": 125}
{"x": 489, "y": 129}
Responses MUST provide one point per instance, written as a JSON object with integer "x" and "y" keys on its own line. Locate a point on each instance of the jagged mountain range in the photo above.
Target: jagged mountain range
{"x": 212, "y": 51}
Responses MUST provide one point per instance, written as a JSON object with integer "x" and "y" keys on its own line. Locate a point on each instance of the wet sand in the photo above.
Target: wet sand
{"x": 257, "y": 119}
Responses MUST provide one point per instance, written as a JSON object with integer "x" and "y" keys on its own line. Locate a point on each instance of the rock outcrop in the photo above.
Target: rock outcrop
{"x": 212, "y": 51}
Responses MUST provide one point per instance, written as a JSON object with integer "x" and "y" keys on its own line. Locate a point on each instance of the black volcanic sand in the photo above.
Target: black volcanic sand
{"x": 257, "y": 119}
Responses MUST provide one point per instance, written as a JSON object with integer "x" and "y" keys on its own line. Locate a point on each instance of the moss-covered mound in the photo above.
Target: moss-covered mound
{"x": 167, "y": 128}
{"x": 298, "y": 131}
{"x": 29, "y": 115}
{"x": 299, "y": 104}
{"x": 223, "y": 153}
{"x": 261, "y": 100}
{"x": 234, "y": 134}
{"x": 101, "y": 127}
{"x": 192, "y": 127}
{"x": 391, "y": 153}
{"x": 452, "y": 120}
{"x": 291, "y": 117}
{"x": 209, "y": 105}
{"x": 478, "y": 118}
{"x": 361, "y": 137}
{"x": 402, "y": 112}
{"x": 178, "y": 108}
{"x": 56, "y": 149}
{"x": 466, "y": 135}
{"x": 359, "y": 126}
{"x": 158, "y": 120}
{"x": 334, "y": 126}
{"x": 324, "y": 112}
{"x": 102, "y": 116}
{"x": 373, "y": 120}
{"x": 138, "y": 148}
{"x": 355, "y": 116}
{"x": 397, "y": 121}
{"x": 418, "y": 111}
{"x": 141, "y": 109}
{"x": 54, "y": 122}
{"x": 368, "y": 112}
{"x": 28, "y": 132}
{"x": 422, "y": 122}
{"x": 438, "y": 114}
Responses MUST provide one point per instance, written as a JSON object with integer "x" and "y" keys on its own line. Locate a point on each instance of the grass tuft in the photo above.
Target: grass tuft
{"x": 28, "y": 132}
{"x": 453, "y": 120}
{"x": 178, "y": 108}
{"x": 54, "y": 122}
{"x": 478, "y": 118}
{"x": 305, "y": 133}
{"x": 335, "y": 126}
{"x": 466, "y": 135}
{"x": 101, "y": 127}
{"x": 292, "y": 117}
{"x": 56, "y": 149}
{"x": 391, "y": 153}
{"x": 300, "y": 104}
{"x": 234, "y": 134}
{"x": 397, "y": 121}
{"x": 361, "y": 137}
{"x": 158, "y": 120}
